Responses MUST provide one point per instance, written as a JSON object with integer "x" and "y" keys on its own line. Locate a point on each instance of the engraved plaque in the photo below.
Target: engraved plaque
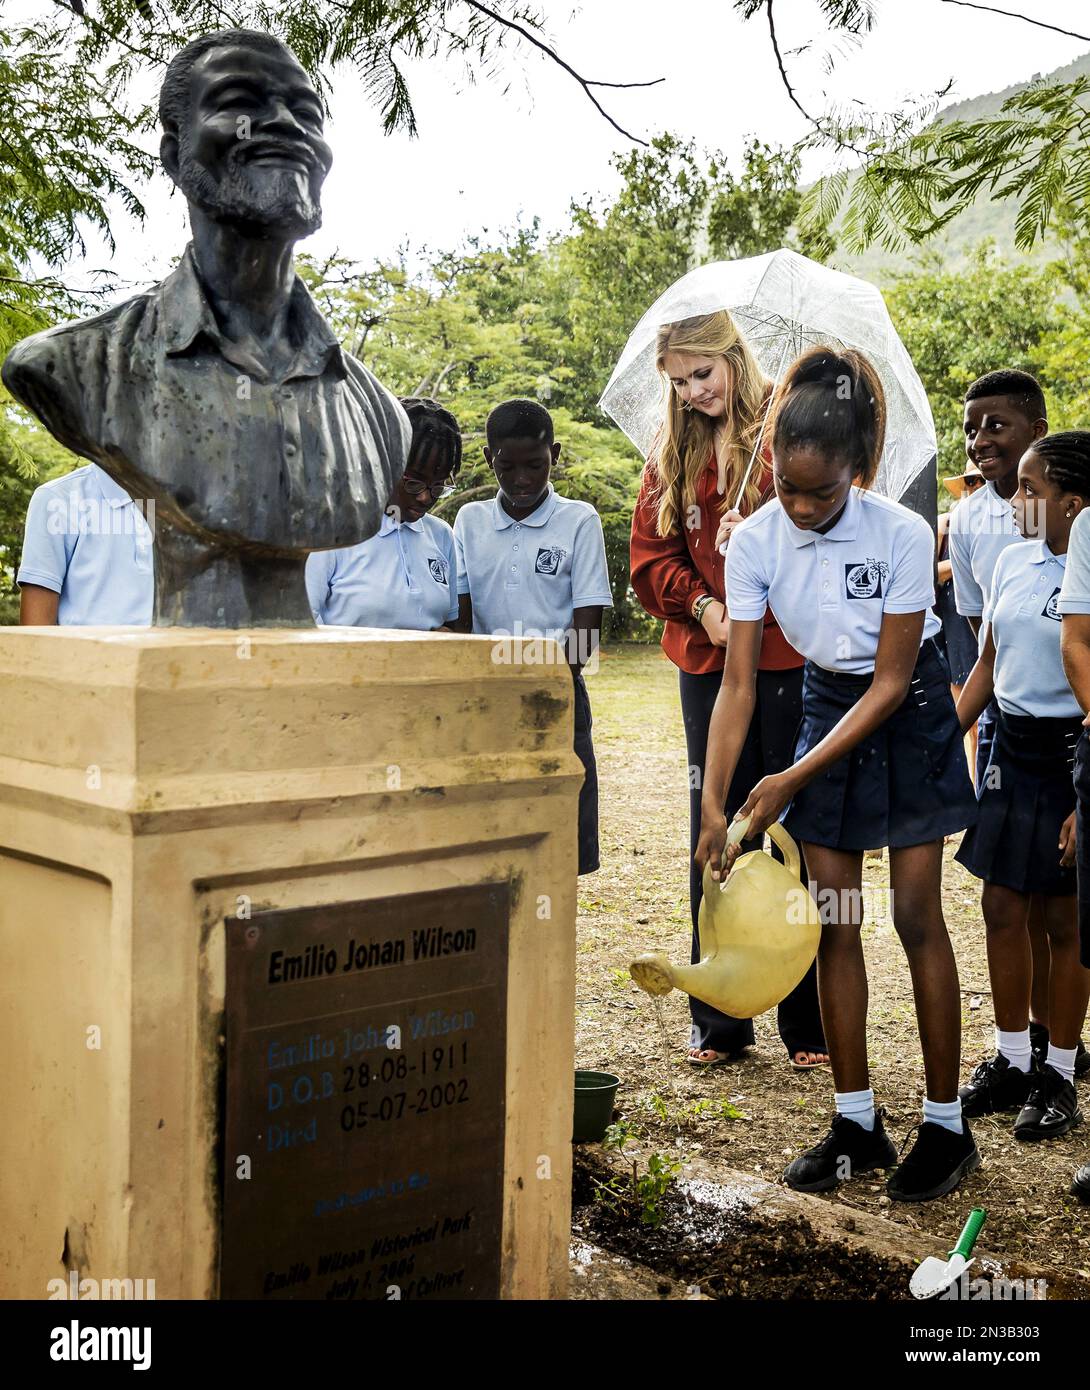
{"x": 366, "y": 1072}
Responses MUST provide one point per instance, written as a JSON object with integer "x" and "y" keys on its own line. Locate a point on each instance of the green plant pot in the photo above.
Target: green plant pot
{"x": 595, "y": 1092}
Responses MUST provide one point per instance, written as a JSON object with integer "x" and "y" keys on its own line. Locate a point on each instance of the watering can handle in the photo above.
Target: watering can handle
{"x": 739, "y": 829}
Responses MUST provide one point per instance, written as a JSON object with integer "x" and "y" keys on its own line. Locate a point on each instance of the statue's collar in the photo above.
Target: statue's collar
{"x": 186, "y": 314}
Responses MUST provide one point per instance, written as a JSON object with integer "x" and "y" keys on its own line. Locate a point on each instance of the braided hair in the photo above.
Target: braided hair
{"x": 435, "y": 433}
{"x": 1065, "y": 457}
{"x": 833, "y": 402}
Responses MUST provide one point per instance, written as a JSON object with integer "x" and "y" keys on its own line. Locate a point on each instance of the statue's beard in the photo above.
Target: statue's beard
{"x": 265, "y": 200}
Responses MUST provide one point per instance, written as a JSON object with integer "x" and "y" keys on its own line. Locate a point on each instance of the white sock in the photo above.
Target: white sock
{"x": 857, "y": 1106}
{"x": 946, "y": 1113}
{"x": 1062, "y": 1059}
{"x": 1015, "y": 1047}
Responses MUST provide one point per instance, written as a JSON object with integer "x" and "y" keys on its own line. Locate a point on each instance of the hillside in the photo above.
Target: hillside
{"x": 986, "y": 218}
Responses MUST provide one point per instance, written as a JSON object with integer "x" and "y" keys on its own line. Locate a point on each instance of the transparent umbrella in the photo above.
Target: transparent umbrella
{"x": 784, "y": 303}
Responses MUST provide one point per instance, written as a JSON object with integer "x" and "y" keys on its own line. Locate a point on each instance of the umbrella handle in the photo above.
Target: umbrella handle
{"x": 761, "y": 431}
{"x": 969, "y": 1233}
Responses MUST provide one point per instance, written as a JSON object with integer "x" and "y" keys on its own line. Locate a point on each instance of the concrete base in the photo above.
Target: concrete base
{"x": 155, "y": 783}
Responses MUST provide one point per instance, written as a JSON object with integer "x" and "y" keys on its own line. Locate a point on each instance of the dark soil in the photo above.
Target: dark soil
{"x": 730, "y": 1255}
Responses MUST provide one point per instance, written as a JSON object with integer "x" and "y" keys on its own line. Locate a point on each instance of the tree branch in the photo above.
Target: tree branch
{"x": 584, "y": 82}
{"x": 820, "y": 126}
{"x": 1013, "y": 14}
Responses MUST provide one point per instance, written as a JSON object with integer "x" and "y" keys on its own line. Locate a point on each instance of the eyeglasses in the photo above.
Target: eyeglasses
{"x": 973, "y": 481}
{"x": 417, "y": 487}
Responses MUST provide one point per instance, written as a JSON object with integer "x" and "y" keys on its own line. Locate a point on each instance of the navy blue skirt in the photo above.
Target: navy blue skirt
{"x": 1026, "y": 794}
{"x": 907, "y": 784}
{"x": 1082, "y": 842}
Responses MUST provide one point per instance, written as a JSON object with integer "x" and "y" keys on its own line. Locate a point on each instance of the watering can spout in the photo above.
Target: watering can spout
{"x": 759, "y": 933}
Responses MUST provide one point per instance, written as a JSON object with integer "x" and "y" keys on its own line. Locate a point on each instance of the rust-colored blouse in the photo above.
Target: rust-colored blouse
{"x": 668, "y": 572}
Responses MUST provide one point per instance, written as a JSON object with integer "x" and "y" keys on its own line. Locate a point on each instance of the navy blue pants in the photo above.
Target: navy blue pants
{"x": 769, "y": 748}
{"x": 588, "y": 794}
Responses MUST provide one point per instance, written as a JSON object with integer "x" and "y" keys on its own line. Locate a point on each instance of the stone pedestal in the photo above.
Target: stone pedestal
{"x": 276, "y": 904}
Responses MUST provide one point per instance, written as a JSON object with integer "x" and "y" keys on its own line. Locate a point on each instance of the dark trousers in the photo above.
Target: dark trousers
{"x": 588, "y": 794}
{"x": 769, "y": 748}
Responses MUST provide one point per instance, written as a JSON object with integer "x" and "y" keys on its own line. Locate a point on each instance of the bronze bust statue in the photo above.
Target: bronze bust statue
{"x": 222, "y": 394}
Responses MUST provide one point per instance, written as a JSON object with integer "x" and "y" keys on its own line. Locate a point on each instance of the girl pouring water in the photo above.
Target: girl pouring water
{"x": 879, "y": 760}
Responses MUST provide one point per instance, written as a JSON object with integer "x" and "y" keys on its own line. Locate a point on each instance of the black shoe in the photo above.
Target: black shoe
{"x": 938, "y": 1161}
{"x": 1052, "y": 1108}
{"x": 1038, "y": 1041}
{"x": 1081, "y": 1186}
{"x": 847, "y": 1149}
{"x": 995, "y": 1085}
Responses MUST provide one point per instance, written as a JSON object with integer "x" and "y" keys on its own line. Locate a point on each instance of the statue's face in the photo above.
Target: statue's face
{"x": 252, "y": 151}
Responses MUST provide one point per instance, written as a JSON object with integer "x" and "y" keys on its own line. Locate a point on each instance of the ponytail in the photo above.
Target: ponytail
{"x": 833, "y": 402}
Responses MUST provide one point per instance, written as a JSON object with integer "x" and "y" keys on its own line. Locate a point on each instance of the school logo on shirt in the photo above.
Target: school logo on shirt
{"x": 865, "y": 580}
{"x": 438, "y": 569}
{"x": 548, "y": 559}
{"x": 1052, "y": 607}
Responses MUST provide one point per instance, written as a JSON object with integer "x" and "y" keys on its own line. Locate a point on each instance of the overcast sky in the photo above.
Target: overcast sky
{"x": 486, "y": 157}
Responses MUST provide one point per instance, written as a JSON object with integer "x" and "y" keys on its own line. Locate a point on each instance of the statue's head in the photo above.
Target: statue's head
{"x": 242, "y": 132}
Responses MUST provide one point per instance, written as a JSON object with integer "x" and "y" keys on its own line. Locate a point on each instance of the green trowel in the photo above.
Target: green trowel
{"x": 936, "y": 1274}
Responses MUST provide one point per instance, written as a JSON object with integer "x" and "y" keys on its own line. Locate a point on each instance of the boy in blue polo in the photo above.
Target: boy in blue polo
{"x": 533, "y": 563}
{"x": 87, "y": 554}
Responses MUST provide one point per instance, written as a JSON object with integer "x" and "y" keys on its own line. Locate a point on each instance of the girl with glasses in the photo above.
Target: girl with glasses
{"x": 406, "y": 575}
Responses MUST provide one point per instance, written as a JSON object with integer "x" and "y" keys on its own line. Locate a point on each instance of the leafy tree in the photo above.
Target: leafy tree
{"x": 959, "y": 325}
{"x": 916, "y": 175}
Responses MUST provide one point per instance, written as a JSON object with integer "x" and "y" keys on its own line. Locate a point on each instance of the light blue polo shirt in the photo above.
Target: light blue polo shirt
{"x": 981, "y": 529}
{"x": 533, "y": 572}
{"x": 1024, "y": 613}
{"x": 1075, "y": 596}
{"x": 829, "y": 592}
{"x": 403, "y": 577}
{"x": 87, "y": 540}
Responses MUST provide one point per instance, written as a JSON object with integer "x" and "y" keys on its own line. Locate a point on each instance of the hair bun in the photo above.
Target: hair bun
{"x": 824, "y": 367}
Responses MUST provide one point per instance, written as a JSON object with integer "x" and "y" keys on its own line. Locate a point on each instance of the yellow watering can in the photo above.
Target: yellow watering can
{"x": 759, "y": 933}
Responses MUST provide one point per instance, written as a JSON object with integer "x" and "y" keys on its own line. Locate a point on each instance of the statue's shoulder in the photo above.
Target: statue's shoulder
{"x": 50, "y": 357}
{"x": 382, "y": 398}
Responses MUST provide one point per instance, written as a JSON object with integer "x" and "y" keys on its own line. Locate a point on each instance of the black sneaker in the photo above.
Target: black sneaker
{"x": 1051, "y": 1109}
{"x": 1038, "y": 1041}
{"x": 938, "y": 1161}
{"x": 995, "y": 1085}
{"x": 1081, "y": 1186}
{"x": 847, "y": 1149}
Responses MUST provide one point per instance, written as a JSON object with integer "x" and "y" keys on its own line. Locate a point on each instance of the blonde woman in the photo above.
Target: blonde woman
{"x": 717, "y": 398}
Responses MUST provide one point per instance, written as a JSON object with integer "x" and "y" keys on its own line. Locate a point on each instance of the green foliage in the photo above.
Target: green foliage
{"x": 657, "y": 1106}
{"x": 957, "y": 325}
{"x": 639, "y": 1195}
{"x": 619, "y": 1134}
{"x": 718, "y": 1108}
